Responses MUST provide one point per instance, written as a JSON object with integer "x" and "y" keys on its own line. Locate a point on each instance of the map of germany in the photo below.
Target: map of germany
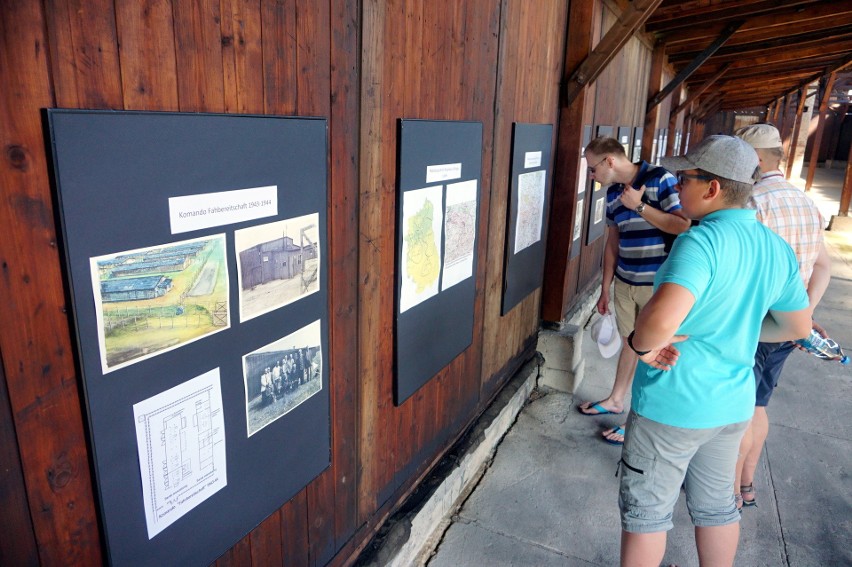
{"x": 422, "y": 262}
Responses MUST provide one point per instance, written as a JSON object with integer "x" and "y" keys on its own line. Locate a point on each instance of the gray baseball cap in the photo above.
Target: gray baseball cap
{"x": 725, "y": 156}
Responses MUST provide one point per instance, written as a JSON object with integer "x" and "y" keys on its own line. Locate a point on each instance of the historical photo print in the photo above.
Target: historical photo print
{"x": 281, "y": 375}
{"x": 277, "y": 263}
{"x": 152, "y": 300}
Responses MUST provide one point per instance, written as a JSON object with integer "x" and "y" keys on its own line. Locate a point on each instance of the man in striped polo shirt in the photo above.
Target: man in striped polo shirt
{"x": 793, "y": 216}
{"x": 639, "y": 216}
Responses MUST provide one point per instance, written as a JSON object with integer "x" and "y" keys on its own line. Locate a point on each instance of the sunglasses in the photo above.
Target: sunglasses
{"x": 592, "y": 168}
{"x": 681, "y": 177}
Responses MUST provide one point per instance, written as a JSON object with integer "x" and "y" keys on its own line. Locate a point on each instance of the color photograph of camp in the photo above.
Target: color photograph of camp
{"x": 282, "y": 375}
{"x": 153, "y": 300}
{"x": 277, "y": 263}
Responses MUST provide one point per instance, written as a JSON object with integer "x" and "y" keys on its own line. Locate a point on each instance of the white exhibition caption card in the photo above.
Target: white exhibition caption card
{"x": 196, "y": 212}
{"x": 532, "y": 159}
{"x": 443, "y": 172}
{"x": 180, "y": 436}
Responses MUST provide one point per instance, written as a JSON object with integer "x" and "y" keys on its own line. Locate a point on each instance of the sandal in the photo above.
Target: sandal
{"x": 748, "y": 489}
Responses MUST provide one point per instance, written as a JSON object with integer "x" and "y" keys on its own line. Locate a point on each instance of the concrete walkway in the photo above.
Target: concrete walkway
{"x": 550, "y": 494}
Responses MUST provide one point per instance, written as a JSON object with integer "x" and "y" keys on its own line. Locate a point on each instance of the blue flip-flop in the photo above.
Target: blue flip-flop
{"x": 618, "y": 430}
{"x": 599, "y": 408}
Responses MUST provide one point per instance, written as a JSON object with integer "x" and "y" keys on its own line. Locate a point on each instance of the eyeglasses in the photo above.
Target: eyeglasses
{"x": 682, "y": 176}
{"x": 592, "y": 168}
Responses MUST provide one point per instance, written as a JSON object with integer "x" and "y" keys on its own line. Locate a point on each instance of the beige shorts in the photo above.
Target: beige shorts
{"x": 629, "y": 300}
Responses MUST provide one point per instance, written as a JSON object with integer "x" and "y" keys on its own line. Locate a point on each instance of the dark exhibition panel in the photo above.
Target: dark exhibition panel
{"x": 528, "y": 206}
{"x": 193, "y": 375}
{"x": 440, "y": 170}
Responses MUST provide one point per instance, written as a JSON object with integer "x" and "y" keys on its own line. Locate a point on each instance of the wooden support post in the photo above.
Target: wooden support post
{"x": 581, "y": 16}
{"x": 778, "y": 116}
{"x": 654, "y": 81}
{"x": 846, "y": 192}
{"x": 794, "y": 138}
{"x": 827, "y": 84}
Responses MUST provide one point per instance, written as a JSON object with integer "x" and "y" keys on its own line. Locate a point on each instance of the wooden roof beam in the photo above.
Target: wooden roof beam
{"x": 607, "y": 48}
{"x": 695, "y": 63}
{"x": 695, "y": 93}
{"x": 824, "y": 15}
{"x": 674, "y": 17}
{"x": 820, "y": 43}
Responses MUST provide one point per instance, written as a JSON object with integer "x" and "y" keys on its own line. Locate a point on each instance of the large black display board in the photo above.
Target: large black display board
{"x": 527, "y": 212}
{"x": 116, "y": 175}
{"x": 440, "y": 169}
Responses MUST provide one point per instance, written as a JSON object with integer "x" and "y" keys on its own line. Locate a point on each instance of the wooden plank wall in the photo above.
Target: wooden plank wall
{"x": 423, "y": 60}
{"x": 363, "y": 65}
{"x": 206, "y": 56}
{"x": 524, "y": 60}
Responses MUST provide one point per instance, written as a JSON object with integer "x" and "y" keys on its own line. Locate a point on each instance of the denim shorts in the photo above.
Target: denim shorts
{"x": 658, "y": 459}
{"x": 768, "y": 363}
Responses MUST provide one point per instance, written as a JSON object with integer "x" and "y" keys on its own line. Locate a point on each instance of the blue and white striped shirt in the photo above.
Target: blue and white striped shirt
{"x": 641, "y": 246}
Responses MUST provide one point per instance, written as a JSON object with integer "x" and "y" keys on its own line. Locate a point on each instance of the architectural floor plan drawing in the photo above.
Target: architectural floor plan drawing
{"x": 180, "y": 435}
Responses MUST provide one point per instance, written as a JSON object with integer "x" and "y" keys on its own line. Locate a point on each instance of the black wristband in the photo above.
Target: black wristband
{"x": 633, "y": 348}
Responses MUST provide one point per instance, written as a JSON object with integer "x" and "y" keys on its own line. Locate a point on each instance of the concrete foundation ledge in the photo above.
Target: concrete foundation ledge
{"x": 410, "y": 536}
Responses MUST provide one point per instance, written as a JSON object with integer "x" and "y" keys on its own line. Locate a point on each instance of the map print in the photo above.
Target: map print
{"x": 422, "y": 218}
{"x": 180, "y": 437}
{"x": 530, "y": 209}
{"x": 459, "y": 233}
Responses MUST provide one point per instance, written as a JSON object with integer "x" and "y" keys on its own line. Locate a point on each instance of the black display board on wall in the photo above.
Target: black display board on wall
{"x": 527, "y": 212}
{"x": 440, "y": 170}
{"x": 196, "y": 250}
{"x": 580, "y": 207}
{"x": 597, "y": 201}
{"x": 624, "y": 139}
{"x": 604, "y": 130}
{"x": 637, "y": 144}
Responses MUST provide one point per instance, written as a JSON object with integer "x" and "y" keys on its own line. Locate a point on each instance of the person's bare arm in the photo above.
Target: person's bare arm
{"x": 672, "y": 223}
{"x": 780, "y": 326}
{"x": 820, "y": 277}
{"x": 661, "y": 317}
{"x": 610, "y": 258}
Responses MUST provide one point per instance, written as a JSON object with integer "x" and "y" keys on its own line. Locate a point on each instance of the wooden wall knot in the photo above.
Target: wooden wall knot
{"x": 18, "y": 157}
{"x": 60, "y": 474}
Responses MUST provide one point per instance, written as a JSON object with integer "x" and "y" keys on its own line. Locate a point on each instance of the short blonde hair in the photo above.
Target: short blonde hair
{"x": 605, "y": 145}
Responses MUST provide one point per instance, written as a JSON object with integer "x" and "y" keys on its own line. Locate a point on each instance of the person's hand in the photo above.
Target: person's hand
{"x": 603, "y": 302}
{"x": 631, "y": 197}
{"x": 816, "y": 327}
{"x": 666, "y": 357}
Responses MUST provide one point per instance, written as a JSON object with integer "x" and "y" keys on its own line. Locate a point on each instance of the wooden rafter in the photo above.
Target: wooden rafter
{"x": 618, "y": 35}
{"x": 699, "y": 60}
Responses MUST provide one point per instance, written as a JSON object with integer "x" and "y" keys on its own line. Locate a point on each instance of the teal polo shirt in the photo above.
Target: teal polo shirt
{"x": 737, "y": 270}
